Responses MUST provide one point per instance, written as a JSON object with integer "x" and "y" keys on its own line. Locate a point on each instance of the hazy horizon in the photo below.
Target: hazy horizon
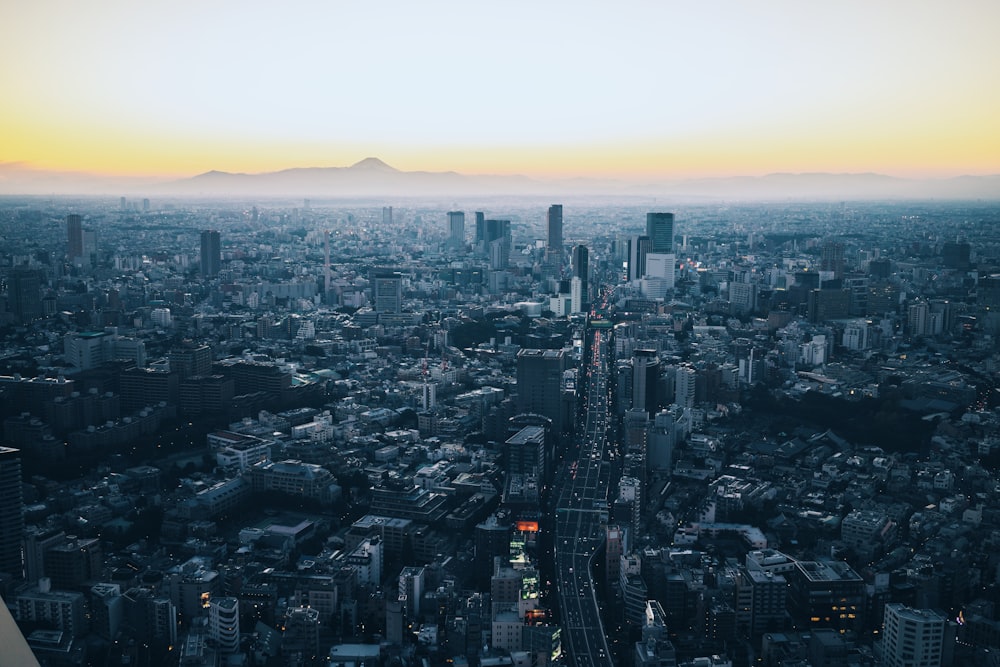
{"x": 373, "y": 178}
{"x": 638, "y": 92}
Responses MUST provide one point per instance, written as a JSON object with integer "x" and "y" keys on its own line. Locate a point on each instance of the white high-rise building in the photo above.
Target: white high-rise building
{"x": 576, "y": 294}
{"x": 915, "y": 637}
{"x": 429, "y": 395}
{"x": 685, "y": 386}
{"x": 224, "y": 624}
{"x": 661, "y": 265}
{"x": 161, "y": 317}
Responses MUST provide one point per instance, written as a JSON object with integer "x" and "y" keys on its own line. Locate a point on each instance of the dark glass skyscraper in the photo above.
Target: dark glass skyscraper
{"x": 555, "y": 227}
{"x": 660, "y": 229}
{"x": 581, "y": 270}
{"x": 638, "y": 248}
{"x": 456, "y": 228}
{"x": 211, "y": 253}
{"x": 11, "y": 512}
{"x": 74, "y": 237}
{"x": 539, "y": 384}
{"x": 24, "y": 289}
{"x": 480, "y": 227}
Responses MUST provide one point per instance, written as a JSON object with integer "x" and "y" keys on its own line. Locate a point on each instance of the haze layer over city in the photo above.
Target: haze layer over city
{"x": 436, "y": 334}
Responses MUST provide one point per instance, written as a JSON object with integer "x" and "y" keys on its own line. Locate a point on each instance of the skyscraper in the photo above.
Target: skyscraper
{"x": 498, "y": 243}
{"x": 211, "y": 253}
{"x": 555, "y": 227}
{"x": 581, "y": 270}
{"x": 645, "y": 374}
{"x": 638, "y": 248}
{"x": 480, "y": 227}
{"x": 832, "y": 258}
{"x": 456, "y": 228}
{"x": 74, "y": 237}
{"x": 539, "y": 384}
{"x": 388, "y": 293}
{"x": 11, "y": 512}
{"x": 914, "y": 637}
{"x": 24, "y": 294}
{"x": 660, "y": 229}
{"x": 684, "y": 386}
{"x": 224, "y": 624}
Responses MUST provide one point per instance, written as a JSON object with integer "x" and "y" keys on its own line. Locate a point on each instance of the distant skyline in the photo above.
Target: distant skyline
{"x": 639, "y": 90}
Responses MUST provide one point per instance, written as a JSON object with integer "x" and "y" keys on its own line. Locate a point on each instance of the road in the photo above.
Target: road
{"x": 581, "y": 517}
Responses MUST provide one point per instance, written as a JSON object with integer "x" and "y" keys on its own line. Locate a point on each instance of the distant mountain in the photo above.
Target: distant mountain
{"x": 368, "y": 177}
{"x": 372, "y": 177}
{"x": 18, "y": 178}
{"x": 838, "y": 186}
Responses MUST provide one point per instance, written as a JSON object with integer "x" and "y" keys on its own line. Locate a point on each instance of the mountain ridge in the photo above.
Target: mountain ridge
{"x": 373, "y": 177}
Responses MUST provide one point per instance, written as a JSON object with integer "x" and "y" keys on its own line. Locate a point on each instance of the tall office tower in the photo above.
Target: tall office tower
{"x": 498, "y": 243}
{"x": 492, "y": 540}
{"x": 638, "y": 248}
{"x": 480, "y": 227}
{"x": 645, "y": 373}
{"x": 224, "y": 624}
{"x": 190, "y": 359}
{"x": 613, "y": 548}
{"x": 456, "y": 228}
{"x": 832, "y": 258}
{"x": 496, "y": 229}
{"x": 24, "y": 294}
{"x": 660, "y": 228}
{"x": 575, "y": 295}
{"x": 685, "y": 383}
{"x": 386, "y": 215}
{"x": 555, "y": 228}
{"x": 660, "y": 448}
{"x": 428, "y": 397}
{"x": 106, "y": 609}
{"x": 123, "y": 204}
{"x": 11, "y": 512}
{"x": 211, "y": 253}
{"x": 581, "y": 270}
{"x": 36, "y": 542}
{"x": 388, "y": 296}
{"x": 539, "y": 384}
{"x": 411, "y": 590}
{"x": 918, "y": 319}
{"x": 74, "y": 237}
{"x": 761, "y": 600}
{"x": 526, "y": 453}
{"x": 915, "y": 637}
{"x": 150, "y": 616}
{"x": 145, "y": 206}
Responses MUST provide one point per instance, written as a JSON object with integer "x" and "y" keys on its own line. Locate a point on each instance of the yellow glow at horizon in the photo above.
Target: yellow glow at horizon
{"x": 583, "y": 90}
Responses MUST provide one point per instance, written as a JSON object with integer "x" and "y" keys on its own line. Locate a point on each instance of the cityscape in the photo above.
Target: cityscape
{"x": 318, "y": 433}
{"x": 450, "y": 334}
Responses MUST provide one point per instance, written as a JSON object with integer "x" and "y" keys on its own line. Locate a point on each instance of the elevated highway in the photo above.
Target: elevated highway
{"x": 581, "y": 518}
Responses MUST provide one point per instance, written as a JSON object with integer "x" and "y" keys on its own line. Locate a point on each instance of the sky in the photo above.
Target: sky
{"x": 640, "y": 89}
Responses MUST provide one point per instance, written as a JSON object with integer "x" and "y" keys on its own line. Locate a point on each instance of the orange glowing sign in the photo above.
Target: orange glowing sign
{"x": 527, "y": 526}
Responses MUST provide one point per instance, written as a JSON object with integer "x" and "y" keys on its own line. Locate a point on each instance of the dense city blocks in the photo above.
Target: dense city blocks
{"x": 500, "y": 432}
